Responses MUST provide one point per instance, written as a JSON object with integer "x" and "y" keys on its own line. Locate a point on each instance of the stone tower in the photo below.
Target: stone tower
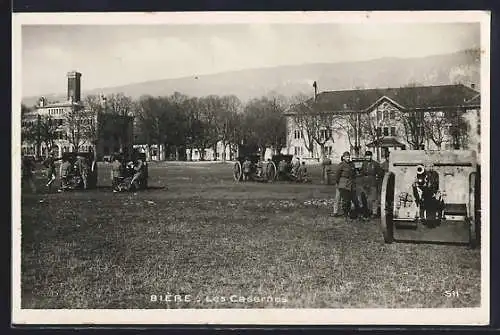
{"x": 74, "y": 86}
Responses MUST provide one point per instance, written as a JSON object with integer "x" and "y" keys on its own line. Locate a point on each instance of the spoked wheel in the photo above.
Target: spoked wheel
{"x": 93, "y": 173}
{"x": 473, "y": 220}
{"x": 271, "y": 171}
{"x": 386, "y": 207}
{"x": 237, "y": 171}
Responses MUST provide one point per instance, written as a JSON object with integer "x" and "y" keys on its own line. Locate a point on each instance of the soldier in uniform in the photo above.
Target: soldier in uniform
{"x": 27, "y": 168}
{"x": 344, "y": 177}
{"x": 247, "y": 167}
{"x": 117, "y": 172}
{"x": 50, "y": 165}
{"x": 65, "y": 171}
{"x": 302, "y": 173}
{"x": 295, "y": 166}
{"x": 371, "y": 173}
{"x": 83, "y": 169}
{"x": 138, "y": 175}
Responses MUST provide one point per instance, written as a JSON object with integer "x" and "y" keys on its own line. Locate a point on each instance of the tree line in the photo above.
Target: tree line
{"x": 182, "y": 124}
{"x": 176, "y": 122}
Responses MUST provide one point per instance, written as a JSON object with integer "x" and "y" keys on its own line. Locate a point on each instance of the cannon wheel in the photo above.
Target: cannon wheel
{"x": 93, "y": 170}
{"x": 386, "y": 207}
{"x": 473, "y": 222}
{"x": 237, "y": 171}
{"x": 271, "y": 171}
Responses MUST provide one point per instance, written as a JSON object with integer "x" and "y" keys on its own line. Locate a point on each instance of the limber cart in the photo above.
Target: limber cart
{"x": 431, "y": 196}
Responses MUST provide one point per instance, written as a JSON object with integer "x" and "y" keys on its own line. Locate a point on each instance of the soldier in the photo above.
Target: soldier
{"x": 385, "y": 163}
{"x": 302, "y": 173}
{"x": 371, "y": 172}
{"x": 117, "y": 172}
{"x": 65, "y": 171}
{"x": 344, "y": 177}
{"x": 50, "y": 165}
{"x": 247, "y": 168}
{"x": 295, "y": 166}
{"x": 138, "y": 174}
{"x": 27, "y": 168}
{"x": 83, "y": 169}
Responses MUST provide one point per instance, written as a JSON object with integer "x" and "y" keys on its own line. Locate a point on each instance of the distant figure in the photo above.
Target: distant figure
{"x": 371, "y": 172}
{"x": 295, "y": 166}
{"x": 117, "y": 172}
{"x": 65, "y": 172}
{"x": 83, "y": 169}
{"x": 50, "y": 165}
{"x": 247, "y": 169}
{"x": 27, "y": 168}
{"x": 344, "y": 177}
{"x": 302, "y": 173}
{"x": 138, "y": 174}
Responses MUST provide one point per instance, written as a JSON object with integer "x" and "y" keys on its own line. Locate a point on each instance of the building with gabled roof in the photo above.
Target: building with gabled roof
{"x": 412, "y": 117}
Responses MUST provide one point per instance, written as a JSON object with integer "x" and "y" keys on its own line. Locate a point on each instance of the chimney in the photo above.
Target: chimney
{"x": 315, "y": 85}
{"x": 473, "y": 86}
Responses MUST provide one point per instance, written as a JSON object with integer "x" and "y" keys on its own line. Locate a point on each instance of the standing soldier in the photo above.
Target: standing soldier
{"x": 371, "y": 172}
{"x": 116, "y": 172}
{"x": 27, "y": 168}
{"x": 65, "y": 171}
{"x": 83, "y": 169}
{"x": 247, "y": 167}
{"x": 344, "y": 177}
{"x": 138, "y": 174}
{"x": 295, "y": 166}
{"x": 50, "y": 165}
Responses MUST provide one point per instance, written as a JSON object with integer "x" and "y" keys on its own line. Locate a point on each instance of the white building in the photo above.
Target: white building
{"x": 396, "y": 116}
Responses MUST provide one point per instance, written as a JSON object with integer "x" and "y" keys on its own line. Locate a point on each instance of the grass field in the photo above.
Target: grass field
{"x": 220, "y": 244}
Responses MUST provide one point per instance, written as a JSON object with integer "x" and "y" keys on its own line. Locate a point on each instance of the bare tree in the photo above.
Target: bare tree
{"x": 435, "y": 127}
{"x": 121, "y": 106}
{"x": 96, "y": 127}
{"x": 317, "y": 126}
{"x": 48, "y": 131}
{"x": 77, "y": 121}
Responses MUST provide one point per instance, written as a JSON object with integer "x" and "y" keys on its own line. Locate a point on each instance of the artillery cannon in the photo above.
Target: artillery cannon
{"x": 258, "y": 170}
{"x": 431, "y": 196}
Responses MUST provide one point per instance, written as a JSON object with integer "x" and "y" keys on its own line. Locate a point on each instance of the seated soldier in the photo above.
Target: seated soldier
{"x": 247, "y": 169}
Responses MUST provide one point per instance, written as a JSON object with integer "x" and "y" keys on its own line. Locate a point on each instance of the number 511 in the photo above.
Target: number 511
{"x": 451, "y": 294}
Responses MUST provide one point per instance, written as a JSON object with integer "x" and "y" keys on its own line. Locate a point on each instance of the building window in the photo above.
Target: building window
{"x": 298, "y": 151}
{"x": 379, "y": 131}
{"x": 297, "y": 134}
{"x": 393, "y": 131}
{"x": 386, "y": 131}
{"x": 325, "y": 134}
{"x": 392, "y": 114}
{"x": 328, "y": 151}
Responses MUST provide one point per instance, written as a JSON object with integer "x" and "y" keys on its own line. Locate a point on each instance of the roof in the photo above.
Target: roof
{"x": 386, "y": 142}
{"x": 60, "y": 104}
{"x": 419, "y": 97}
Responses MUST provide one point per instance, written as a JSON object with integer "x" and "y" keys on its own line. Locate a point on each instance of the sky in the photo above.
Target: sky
{"x": 118, "y": 55}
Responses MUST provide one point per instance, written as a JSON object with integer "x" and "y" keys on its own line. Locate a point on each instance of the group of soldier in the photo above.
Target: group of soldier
{"x": 358, "y": 195}
{"x": 125, "y": 175}
{"x": 295, "y": 170}
{"x": 129, "y": 175}
{"x": 70, "y": 168}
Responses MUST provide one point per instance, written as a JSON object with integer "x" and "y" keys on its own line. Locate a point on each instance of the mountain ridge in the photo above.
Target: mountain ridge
{"x": 459, "y": 67}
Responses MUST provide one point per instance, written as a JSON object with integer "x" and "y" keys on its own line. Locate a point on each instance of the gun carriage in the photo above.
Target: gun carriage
{"x": 75, "y": 181}
{"x": 431, "y": 196}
